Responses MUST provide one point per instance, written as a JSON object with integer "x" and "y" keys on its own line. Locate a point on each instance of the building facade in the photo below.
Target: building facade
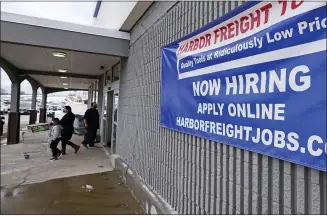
{"x": 176, "y": 172}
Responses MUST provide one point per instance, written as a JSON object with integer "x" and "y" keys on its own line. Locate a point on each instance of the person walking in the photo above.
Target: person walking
{"x": 55, "y": 136}
{"x": 91, "y": 122}
{"x": 67, "y": 122}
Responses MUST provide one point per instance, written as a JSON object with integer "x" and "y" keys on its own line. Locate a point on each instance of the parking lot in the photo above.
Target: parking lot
{"x": 24, "y": 119}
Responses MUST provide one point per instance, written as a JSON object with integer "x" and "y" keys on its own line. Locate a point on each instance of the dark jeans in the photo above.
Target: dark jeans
{"x": 65, "y": 140}
{"x": 90, "y": 135}
{"x": 53, "y": 146}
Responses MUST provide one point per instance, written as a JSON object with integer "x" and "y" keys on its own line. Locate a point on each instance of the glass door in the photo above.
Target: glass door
{"x": 104, "y": 119}
{"x": 114, "y": 120}
{"x": 110, "y": 119}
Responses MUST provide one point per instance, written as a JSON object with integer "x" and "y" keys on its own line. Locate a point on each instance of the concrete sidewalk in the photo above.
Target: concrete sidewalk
{"x": 16, "y": 170}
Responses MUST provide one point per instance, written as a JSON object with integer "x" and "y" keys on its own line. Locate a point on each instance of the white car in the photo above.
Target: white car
{"x": 54, "y": 107}
{"x": 24, "y": 108}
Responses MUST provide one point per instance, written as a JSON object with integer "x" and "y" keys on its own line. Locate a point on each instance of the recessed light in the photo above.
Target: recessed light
{"x": 59, "y": 54}
{"x": 66, "y": 88}
{"x": 65, "y": 84}
{"x": 62, "y": 70}
{"x": 63, "y": 77}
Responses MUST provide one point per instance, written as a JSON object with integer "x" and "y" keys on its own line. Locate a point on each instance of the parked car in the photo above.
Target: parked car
{"x": 55, "y": 107}
{"x": 24, "y": 108}
{"x": 5, "y": 107}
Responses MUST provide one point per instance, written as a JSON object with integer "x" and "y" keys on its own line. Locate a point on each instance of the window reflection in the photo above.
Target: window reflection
{"x": 105, "y": 106}
{"x": 116, "y": 71}
{"x": 115, "y": 107}
{"x": 108, "y": 77}
{"x": 114, "y": 134}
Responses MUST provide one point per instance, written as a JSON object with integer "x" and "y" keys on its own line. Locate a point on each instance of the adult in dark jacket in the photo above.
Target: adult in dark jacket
{"x": 67, "y": 122}
{"x": 91, "y": 121}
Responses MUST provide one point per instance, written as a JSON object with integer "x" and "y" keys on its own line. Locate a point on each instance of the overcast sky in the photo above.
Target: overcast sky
{"x": 76, "y": 12}
{"x": 6, "y": 83}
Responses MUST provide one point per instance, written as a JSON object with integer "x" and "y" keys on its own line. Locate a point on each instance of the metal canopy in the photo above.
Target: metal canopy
{"x": 41, "y": 65}
{"x": 49, "y": 33}
{"x": 30, "y": 46}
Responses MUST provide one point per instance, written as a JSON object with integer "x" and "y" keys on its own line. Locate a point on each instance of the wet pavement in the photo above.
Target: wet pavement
{"x": 71, "y": 196}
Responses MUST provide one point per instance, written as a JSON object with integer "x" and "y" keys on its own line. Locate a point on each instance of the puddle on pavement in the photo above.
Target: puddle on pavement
{"x": 72, "y": 196}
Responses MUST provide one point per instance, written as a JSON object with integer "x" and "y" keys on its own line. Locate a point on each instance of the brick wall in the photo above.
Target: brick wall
{"x": 195, "y": 175}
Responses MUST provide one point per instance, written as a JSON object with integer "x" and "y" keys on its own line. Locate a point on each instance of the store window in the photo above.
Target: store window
{"x": 108, "y": 77}
{"x": 96, "y": 91}
{"x": 116, "y": 72}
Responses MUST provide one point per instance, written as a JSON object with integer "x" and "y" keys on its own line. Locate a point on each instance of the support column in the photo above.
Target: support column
{"x": 92, "y": 89}
{"x": 89, "y": 97}
{"x": 33, "y": 112}
{"x": 100, "y": 103}
{"x": 13, "y": 115}
{"x": 100, "y": 95}
{"x": 97, "y": 91}
{"x": 43, "y": 108}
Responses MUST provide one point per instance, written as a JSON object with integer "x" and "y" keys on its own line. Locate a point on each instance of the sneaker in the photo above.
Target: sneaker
{"x": 59, "y": 155}
{"x": 92, "y": 146}
{"x": 77, "y": 148}
{"x": 63, "y": 153}
{"x": 53, "y": 159}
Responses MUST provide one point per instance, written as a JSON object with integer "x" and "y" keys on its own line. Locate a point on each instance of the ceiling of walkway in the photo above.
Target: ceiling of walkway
{"x": 63, "y": 82}
{"x": 41, "y": 65}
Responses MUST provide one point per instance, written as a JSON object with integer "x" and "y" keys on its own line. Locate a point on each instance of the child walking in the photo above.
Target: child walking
{"x": 55, "y": 136}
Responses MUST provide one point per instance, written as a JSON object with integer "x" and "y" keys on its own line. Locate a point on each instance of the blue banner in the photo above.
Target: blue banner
{"x": 254, "y": 79}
